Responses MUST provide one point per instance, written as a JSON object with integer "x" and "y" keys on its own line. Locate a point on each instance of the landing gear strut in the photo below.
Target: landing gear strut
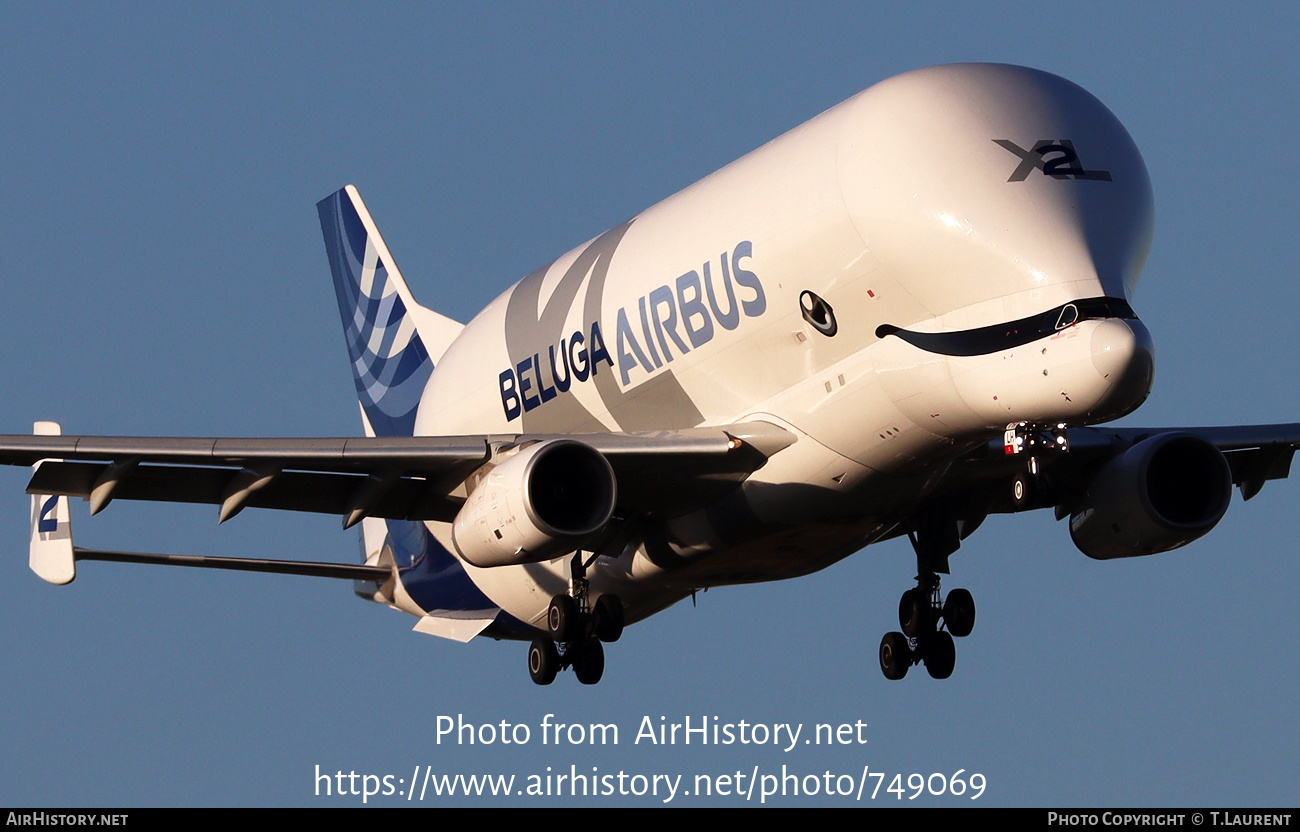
{"x": 1030, "y": 488}
{"x": 577, "y": 628}
{"x": 929, "y": 621}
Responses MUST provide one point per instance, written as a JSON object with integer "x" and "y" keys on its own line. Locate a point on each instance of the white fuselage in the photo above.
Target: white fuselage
{"x": 902, "y": 206}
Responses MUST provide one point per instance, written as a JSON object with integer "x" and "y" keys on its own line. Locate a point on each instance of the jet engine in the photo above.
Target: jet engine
{"x": 1162, "y": 493}
{"x": 542, "y": 502}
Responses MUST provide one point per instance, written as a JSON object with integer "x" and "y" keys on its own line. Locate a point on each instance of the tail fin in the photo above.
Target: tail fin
{"x": 393, "y": 342}
{"x": 50, "y": 554}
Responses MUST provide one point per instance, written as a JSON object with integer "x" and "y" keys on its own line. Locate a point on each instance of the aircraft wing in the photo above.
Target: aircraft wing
{"x": 1255, "y": 453}
{"x": 411, "y": 478}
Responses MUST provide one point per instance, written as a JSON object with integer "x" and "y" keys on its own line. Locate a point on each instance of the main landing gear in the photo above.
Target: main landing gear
{"x": 576, "y": 629}
{"x": 928, "y": 621}
{"x": 923, "y": 616}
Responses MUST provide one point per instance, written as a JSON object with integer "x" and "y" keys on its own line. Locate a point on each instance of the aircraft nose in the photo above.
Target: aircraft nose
{"x": 1124, "y": 355}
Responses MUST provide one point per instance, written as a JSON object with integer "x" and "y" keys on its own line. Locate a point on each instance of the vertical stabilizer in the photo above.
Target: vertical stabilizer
{"x": 50, "y": 554}
{"x": 393, "y": 342}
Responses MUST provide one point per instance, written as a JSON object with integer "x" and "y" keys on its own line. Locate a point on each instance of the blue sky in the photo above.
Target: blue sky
{"x": 164, "y": 274}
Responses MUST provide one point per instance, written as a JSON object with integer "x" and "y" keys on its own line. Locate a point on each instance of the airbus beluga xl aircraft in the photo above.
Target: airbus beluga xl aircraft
{"x": 901, "y": 316}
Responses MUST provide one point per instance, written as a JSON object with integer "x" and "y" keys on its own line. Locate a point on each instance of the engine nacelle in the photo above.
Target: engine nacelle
{"x": 1162, "y": 493}
{"x": 542, "y": 502}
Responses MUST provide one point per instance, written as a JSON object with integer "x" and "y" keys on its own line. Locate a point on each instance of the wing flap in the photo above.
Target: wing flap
{"x": 308, "y": 491}
{"x": 1252, "y": 468}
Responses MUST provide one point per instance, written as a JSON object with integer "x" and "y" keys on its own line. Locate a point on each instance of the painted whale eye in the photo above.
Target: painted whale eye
{"x": 818, "y": 313}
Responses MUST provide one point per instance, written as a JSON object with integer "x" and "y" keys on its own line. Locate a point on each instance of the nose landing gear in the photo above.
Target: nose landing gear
{"x": 576, "y": 629}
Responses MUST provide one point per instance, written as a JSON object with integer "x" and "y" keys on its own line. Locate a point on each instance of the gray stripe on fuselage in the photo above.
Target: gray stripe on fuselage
{"x": 659, "y": 403}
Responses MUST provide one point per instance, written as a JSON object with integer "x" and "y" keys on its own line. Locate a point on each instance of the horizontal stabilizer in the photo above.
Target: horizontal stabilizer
{"x": 344, "y": 571}
{"x": 456, "y": 625}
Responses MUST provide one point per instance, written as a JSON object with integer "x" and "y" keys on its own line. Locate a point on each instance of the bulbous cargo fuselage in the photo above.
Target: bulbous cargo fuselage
{"x": 897, "y": 279}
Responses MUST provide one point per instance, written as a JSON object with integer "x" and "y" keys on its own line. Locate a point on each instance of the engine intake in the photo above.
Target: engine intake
{"x": 542, "y": 502}
{"x": 1162, "y": 493}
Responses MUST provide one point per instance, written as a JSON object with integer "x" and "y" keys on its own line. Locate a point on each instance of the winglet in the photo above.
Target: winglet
{"x": 51, "y": 556}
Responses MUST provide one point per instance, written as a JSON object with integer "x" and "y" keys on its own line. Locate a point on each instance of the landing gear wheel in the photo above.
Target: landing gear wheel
{"x": 607, "y": 618}
{"x": 913, "y": 612}
{"x": 1025, "y": 491}
{"x": 543, "y": 661}
{"x": 562, "y": 618}
{"x": 589, "y": 661}
{"x": 940, "y": 655}
{"x": 959, "y": 613}
{"x": 895, "y": 655}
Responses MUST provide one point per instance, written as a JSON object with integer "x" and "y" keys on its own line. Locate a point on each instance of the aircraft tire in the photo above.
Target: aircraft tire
{"x": 913, "y": 612}
{"x": 589, "y": 663}
{"x": 895, "y": 656}
{"x": 543, "y": 661}
{"x": 607, "y": 618}
{"x": 562, "y": 618}
{"x": 940, "y": 655}
{"x": 1025, "y": 490}
{"x": 959, "y": 612}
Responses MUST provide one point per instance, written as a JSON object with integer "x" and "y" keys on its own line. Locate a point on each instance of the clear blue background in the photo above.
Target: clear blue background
{"x": 163, "y": 274}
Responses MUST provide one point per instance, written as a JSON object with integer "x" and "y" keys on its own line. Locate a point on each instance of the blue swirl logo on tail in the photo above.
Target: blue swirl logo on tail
{"x": 389, "y": 361}
{"x": 391, "y": 366}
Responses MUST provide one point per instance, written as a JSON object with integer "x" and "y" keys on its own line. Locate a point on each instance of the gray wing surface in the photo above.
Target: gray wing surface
{"x": 1255, "y": 453}
{"x": 412, "y": 478}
